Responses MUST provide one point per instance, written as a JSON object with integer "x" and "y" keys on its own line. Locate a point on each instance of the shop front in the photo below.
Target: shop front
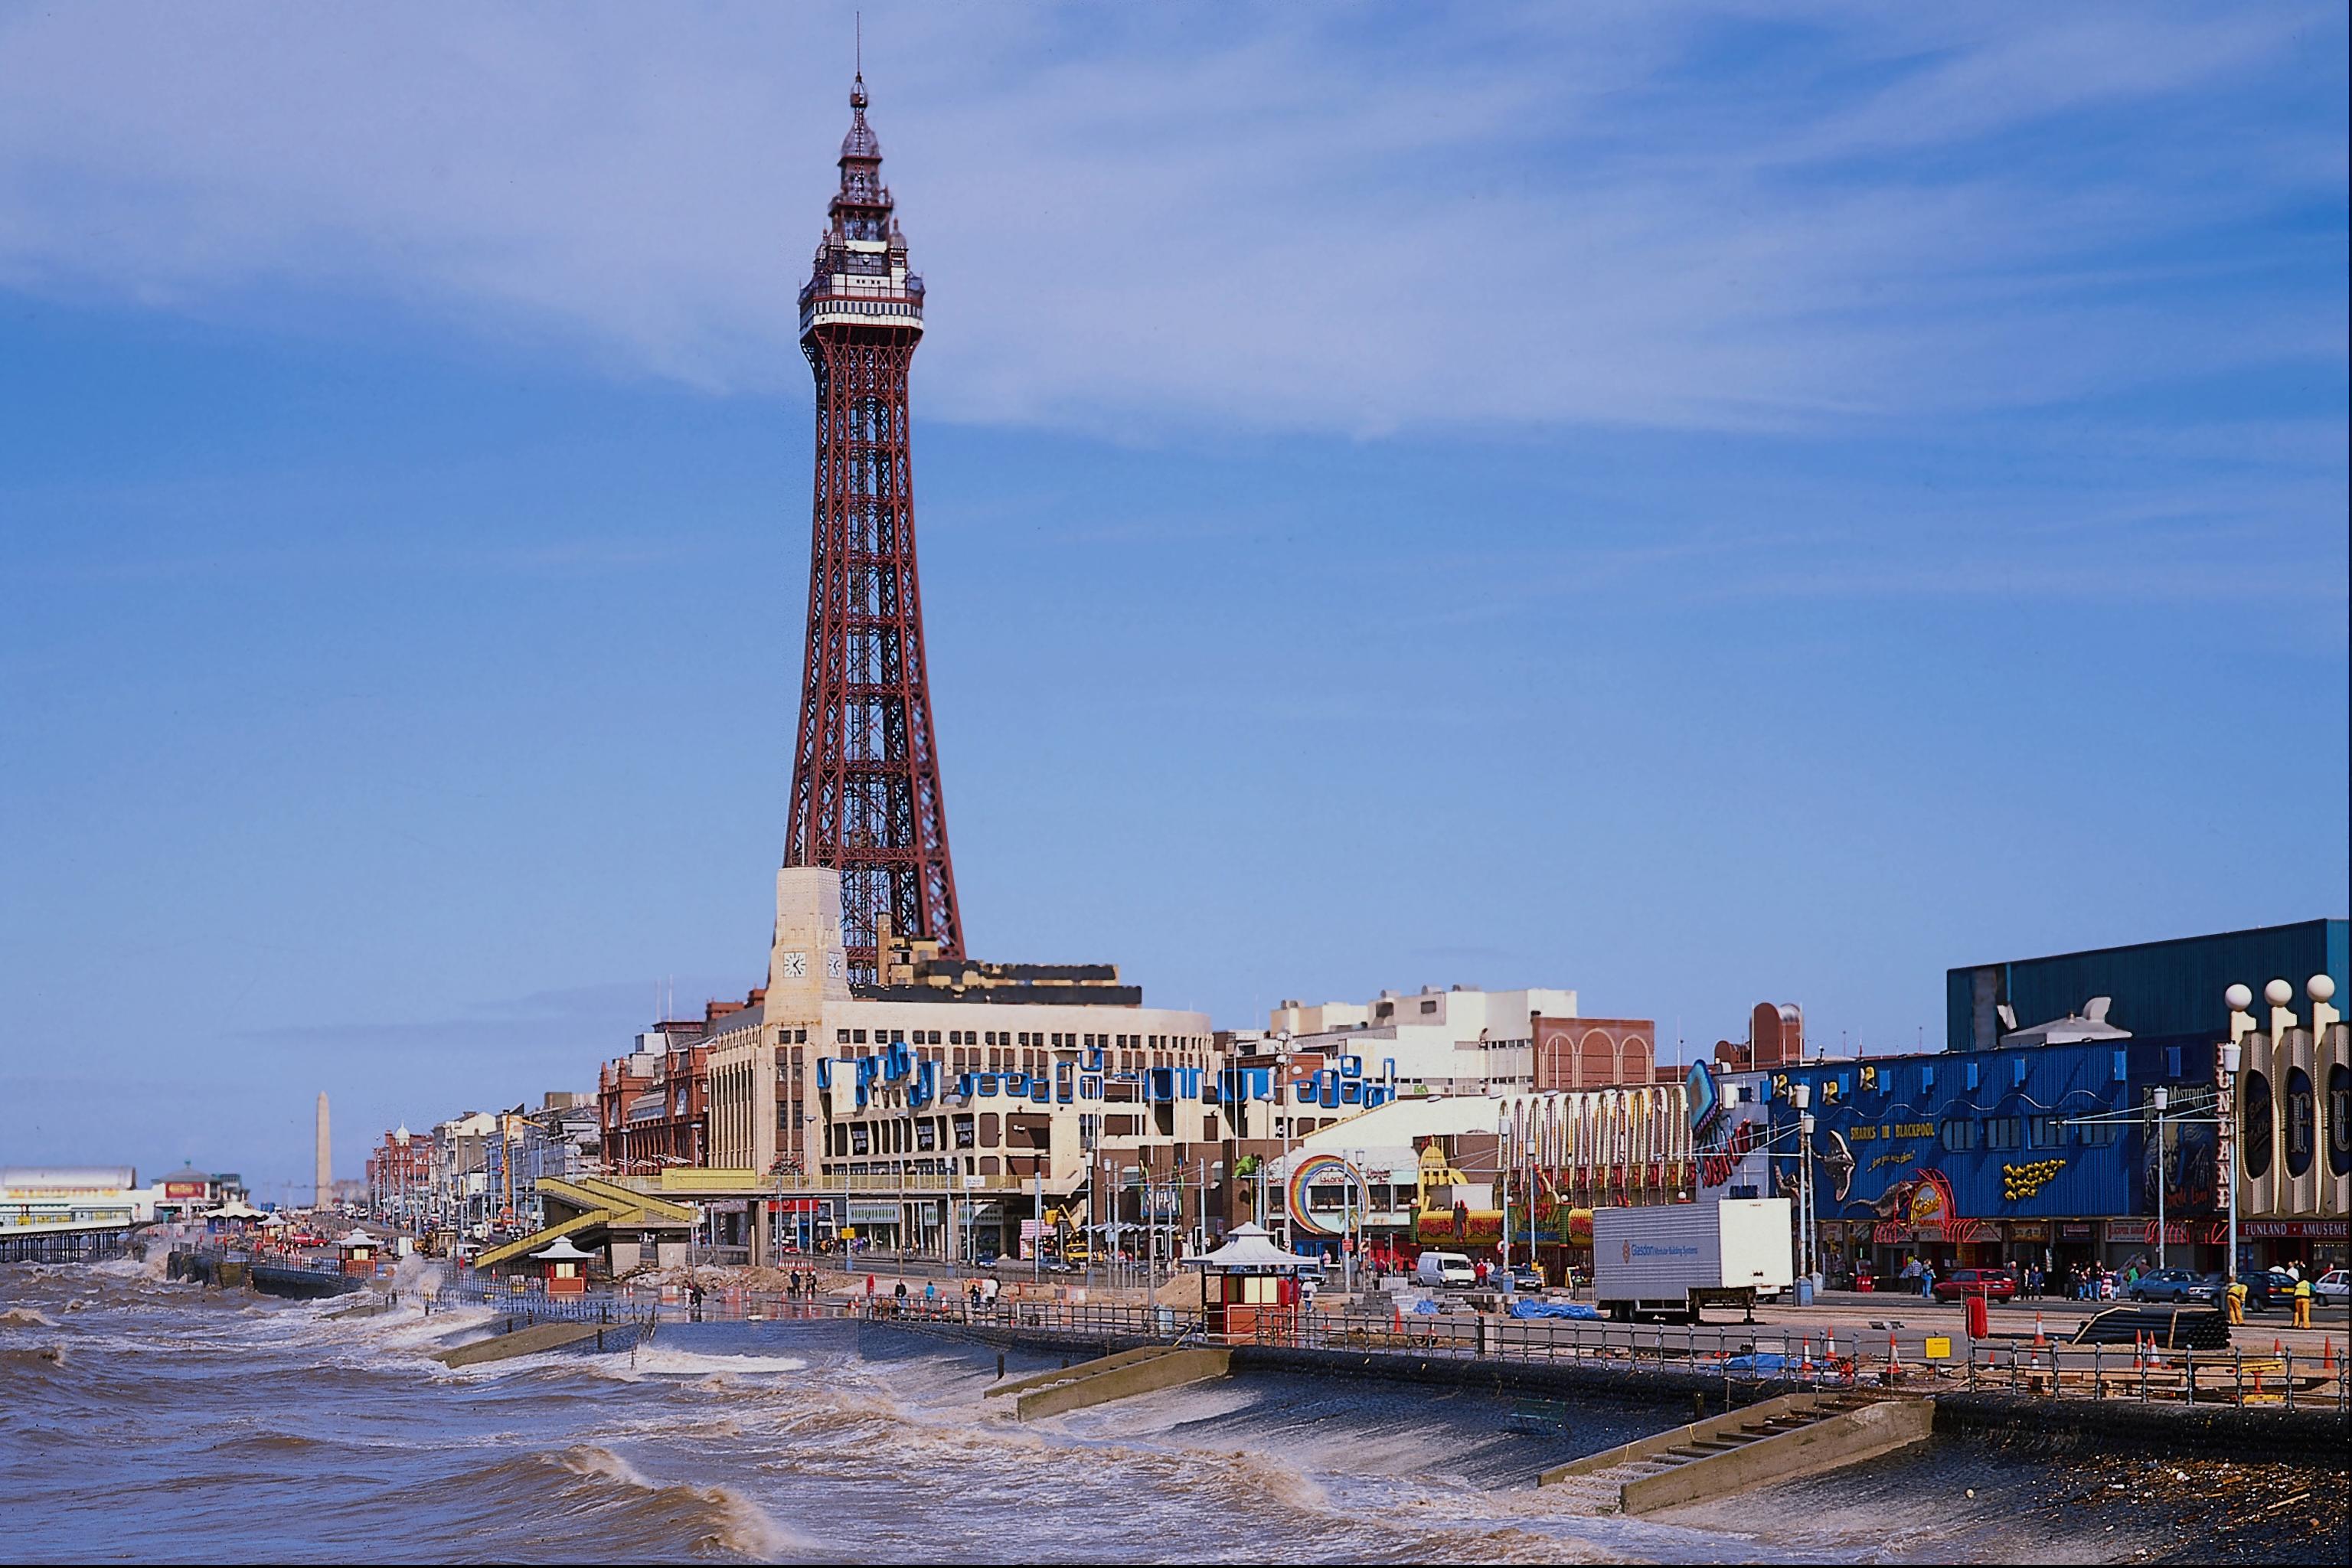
{"x": 2315, "y": 1246}
{"x": 2193, "y": 1244}
{"x": 2074, "y": 1244}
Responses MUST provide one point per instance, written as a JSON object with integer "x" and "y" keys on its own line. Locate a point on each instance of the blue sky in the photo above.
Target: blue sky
{"x": 1700, "y": 505}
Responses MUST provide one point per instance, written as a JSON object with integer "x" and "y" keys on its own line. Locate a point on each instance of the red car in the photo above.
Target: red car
{"x": 1994, "y": 1284}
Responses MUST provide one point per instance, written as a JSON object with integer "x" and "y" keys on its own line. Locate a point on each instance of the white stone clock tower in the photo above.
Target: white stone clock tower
{"x": 808, "y": 964}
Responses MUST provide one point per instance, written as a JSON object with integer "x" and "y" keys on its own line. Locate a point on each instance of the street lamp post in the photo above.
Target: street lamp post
{"x": 1502, "y": 1182}
{"x": 1289, "y": 1104}
{"x": 1801, "y": 1095}
{"x": 2159, "y": 1098}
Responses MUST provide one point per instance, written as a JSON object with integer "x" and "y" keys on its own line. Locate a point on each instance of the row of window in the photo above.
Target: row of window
{"x": 1058, "y": 1040}
{"x": 924, "y": 1134}
{"x": 1961, "y": 1134}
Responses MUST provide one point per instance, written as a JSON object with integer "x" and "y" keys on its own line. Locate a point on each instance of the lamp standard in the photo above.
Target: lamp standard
{"x": 2157, "y": 1099}
{"x": 1288, "y": 1102}
{"x": 1503, "y": 1163}
{"x": 1801, "y": 1095}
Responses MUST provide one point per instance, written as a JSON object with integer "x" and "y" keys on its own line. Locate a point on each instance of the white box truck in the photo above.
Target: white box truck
{"x": 1672, "y": 1259}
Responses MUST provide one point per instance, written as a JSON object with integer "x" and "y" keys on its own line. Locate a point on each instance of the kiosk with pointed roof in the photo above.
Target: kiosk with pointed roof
{"x": 1249, "y": 1283}
{"x": 566, "y": 1266}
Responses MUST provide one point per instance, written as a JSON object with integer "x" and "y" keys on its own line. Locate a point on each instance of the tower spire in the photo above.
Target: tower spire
{"x": 865, "y": 773}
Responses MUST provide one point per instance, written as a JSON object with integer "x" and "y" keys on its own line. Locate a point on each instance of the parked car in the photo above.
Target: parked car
{"x": 1526, "y": 1277}
{"x": 1993, "y": 1283}
{"x": 2332, "y": 1286}
{"x": 2172, "y": 1285}
{"x": 2266, "y": 1287}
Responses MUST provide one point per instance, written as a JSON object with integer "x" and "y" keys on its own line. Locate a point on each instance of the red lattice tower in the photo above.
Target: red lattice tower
{"x": 865, "y": 774}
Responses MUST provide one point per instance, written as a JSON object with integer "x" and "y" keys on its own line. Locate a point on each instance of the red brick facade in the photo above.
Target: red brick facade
{"x": 1594, "y": 1053}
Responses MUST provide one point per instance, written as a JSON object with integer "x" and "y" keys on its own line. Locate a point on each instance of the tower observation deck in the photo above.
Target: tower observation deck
{"x": 865, "y": 770}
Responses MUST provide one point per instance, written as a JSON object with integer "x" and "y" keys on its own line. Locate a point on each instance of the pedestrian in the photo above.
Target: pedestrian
{"x": 2302, "y": 1302}
{"x": 694, "y": 1303}
{"x": 2237, "y": 1299}
{"x": 1927, "y": 1281}
{"x": 898, "y": 1300}
{"x": 930, "y": 1298}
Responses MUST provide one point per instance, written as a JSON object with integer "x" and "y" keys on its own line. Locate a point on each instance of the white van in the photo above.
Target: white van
{"x": 1443, "y": 1268}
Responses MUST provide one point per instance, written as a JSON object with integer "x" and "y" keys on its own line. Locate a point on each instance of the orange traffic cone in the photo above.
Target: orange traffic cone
{"x": 2277, "y": 1348}
{"x": 2037, "y": 1341}
{"x": 2327, "y": 1357}
{"x": 1893, "y": 1357}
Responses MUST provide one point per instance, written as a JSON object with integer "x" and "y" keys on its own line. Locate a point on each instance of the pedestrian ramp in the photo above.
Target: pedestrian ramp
{"x": 1145, "y": 1371}
{"x": 591, "y": 1204}
{"x": 1780, "y": 1439}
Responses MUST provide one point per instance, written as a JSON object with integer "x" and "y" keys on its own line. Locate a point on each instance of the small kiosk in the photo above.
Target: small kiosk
{"x": 1249, "y": 1283}
{"x": 567, "y": 1267}
{"x": 234, "y": 1215}
{"x": 357, "y": 1251}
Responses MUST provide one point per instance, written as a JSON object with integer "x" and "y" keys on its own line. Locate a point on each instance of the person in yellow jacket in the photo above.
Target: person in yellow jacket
{"x": 2303, "y": 1302}
{"x": 2237, "y": 1300}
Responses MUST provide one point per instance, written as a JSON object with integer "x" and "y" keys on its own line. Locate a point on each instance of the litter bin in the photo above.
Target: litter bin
{"x": 1805, "y": 1290}
{"x": 1863, "y": 1280}
{"x": 1980, "y": 1322}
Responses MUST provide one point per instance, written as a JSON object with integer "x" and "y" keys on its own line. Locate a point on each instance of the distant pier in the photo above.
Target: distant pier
{"x": 66, "y": 1242}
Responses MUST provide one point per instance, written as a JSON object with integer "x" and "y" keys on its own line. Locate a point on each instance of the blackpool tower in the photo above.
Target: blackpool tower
{"x": 866, "y": 770}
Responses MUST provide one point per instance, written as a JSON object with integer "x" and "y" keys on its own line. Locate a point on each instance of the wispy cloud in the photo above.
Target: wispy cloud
{"x": 1288, "y": 219}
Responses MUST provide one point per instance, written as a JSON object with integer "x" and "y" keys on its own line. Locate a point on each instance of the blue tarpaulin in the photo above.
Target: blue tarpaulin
{"x": 1426, "y": 1308}
{"x": 1529, "y": 1308}
{"x": 1764, "y": 1365}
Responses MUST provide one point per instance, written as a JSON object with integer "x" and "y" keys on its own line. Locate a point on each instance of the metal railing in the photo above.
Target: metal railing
{"x": 522, "y": 1308}
{"x": 1738, "y": 1355}
{"x": 1833, "y": 1360}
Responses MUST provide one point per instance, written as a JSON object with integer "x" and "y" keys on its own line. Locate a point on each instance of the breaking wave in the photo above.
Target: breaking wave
{"x": 663, "y": 1516}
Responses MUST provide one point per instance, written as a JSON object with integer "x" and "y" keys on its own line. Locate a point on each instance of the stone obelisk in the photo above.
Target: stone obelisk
{"x": 326, "y": 1177}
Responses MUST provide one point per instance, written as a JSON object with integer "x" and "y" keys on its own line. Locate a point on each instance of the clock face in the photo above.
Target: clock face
{"x": 832, "y": 964}
{"x": 796, "y": 964}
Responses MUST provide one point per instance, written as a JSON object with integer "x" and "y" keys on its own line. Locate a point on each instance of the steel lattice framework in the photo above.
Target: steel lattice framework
{"x": 865, "y": 773}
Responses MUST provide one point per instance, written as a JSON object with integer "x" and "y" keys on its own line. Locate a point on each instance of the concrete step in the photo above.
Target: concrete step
{"x": 1036, "y": 1380}
{"x": 1834, "y": 1440}
{"x": 1120, "y": 1378}
{"x": 1794, "y": 1434}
